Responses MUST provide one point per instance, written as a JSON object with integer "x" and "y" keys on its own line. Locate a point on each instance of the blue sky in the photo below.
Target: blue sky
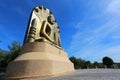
{"x": 90, "y": 29}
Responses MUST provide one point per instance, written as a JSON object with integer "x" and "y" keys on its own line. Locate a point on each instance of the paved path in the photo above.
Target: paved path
{"x": 89, "y": 74}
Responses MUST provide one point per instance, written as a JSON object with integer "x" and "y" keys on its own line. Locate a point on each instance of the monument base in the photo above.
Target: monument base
{"x": 39, "y": 59}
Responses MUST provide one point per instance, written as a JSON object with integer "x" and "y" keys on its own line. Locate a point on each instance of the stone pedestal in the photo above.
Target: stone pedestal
{"x": 39, "y": 59}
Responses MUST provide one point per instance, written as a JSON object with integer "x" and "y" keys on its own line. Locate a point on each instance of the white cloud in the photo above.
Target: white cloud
{"x": 116, "y": 37}
{"x": 114, "y": 7}
{"x": 112, "y": 51}
{"x": 91, "y": 43}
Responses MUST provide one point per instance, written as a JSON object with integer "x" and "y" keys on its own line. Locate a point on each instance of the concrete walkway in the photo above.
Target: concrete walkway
{"x": 89, "y": 74}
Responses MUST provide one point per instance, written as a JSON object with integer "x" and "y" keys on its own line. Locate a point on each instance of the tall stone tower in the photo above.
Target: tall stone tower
{"x": 41, "y": 54}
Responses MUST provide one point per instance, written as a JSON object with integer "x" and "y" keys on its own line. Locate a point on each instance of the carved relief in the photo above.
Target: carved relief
{"x": 42, "y": 27}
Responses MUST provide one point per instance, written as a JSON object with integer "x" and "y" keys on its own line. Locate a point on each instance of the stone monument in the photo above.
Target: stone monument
{"x": 41, "y": 54}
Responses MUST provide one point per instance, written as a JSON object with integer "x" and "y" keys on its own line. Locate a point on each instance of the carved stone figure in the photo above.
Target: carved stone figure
{"x": 41, "y": 54}
{"x": 43, "y": 27}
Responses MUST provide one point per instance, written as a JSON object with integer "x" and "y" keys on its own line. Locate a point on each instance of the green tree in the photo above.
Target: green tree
{"x": 95, "y": 64}
{"x": 83, "y": 64}
{"x": 3, "y": 53}
{"x": 76, "y": 62}
{"x": 88, "y": 63}
{"x": 107, "y": 61}
{"x": 14, "y": 49}
{"x": 79, "y": 63}
{"x": 14, "y": 46}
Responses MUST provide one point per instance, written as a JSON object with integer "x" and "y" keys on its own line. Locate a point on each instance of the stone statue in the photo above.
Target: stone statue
{"x": 41, "y": 54}
{"x": 43, "y": 27}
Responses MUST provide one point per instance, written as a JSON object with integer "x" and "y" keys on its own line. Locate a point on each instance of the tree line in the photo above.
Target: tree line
{"x": 107, "y": 62}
